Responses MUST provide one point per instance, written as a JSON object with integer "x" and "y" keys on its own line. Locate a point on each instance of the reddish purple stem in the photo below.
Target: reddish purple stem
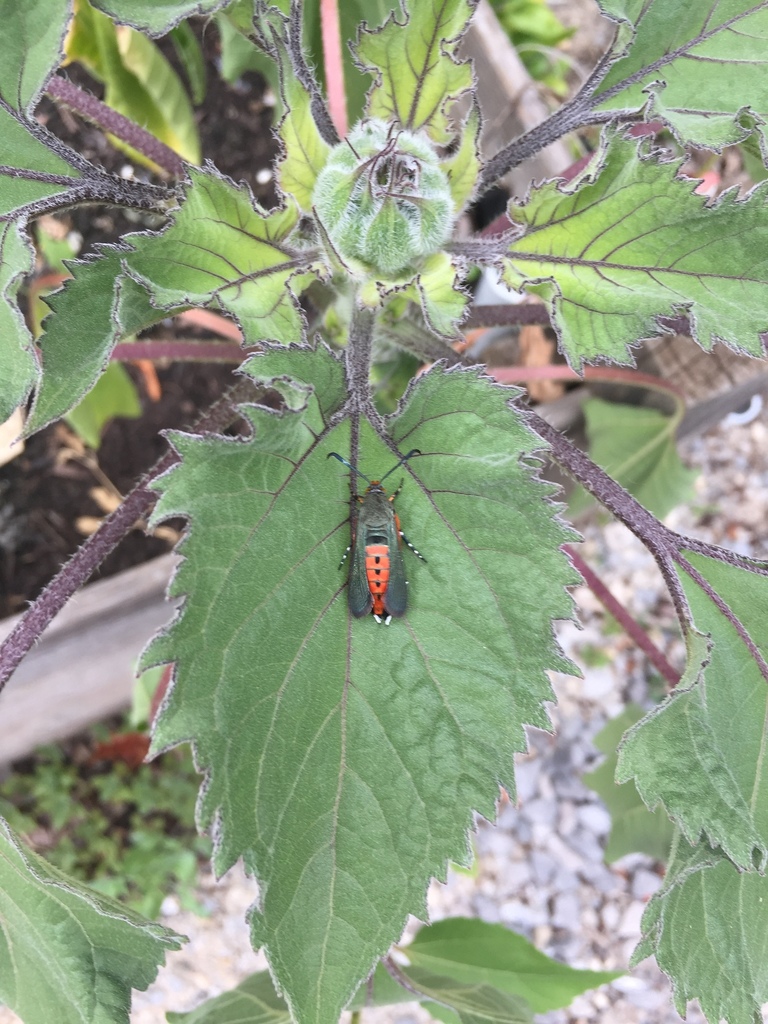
{"x": 622, "y": 616}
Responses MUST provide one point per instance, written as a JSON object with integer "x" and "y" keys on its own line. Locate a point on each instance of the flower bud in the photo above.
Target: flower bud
{"x": 384, "y": 200}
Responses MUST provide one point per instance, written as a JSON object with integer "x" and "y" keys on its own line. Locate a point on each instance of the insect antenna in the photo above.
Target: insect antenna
{"x": 411, "y": 453}
{"x": 349, "y": 465}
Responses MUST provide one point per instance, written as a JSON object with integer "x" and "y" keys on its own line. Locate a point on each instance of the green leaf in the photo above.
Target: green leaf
{"x": 27, "y": 159}
{"x": 20, "y": 371}
{"x": 701, "y": 752}
{"x": 344, "y": 759}
{"x": 223, "y": 251}
{"x": 634, "y": 829}
{"x": 93, "y": 310}
{"x": 631, "y": 242}
{"x": 703, "y": 63}
{"x": 114, "y": 395}
{"x": 472, "y": 951}
{"x": 190, "y": 54}
{"x": 463, "y": 168}
{"x": 417, "y": 74}
{"x": 67, "y": 954}
{"x": 443, "y": 301}
{"x": 305, "y": 152}
{"x": 253, "y": 1001}
{"x": 33, "y": 34}
{"x": 156, "y": 17}
{"x": 473, "y": 1002}
{"x": 706, "y": 927}
{"x": 636, "y": 445}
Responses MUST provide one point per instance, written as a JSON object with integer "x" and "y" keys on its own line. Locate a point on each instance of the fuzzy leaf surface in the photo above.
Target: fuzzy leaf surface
{"x": 343, "y": 759}
{"x": 33, "y": 34}
{"x": 94, "y": 309}
{"x": 17, "y": 259}
{"x": 305, "y": 151}
{"x": 416, "y": 71}
{"x": 634, "y": 829}
{"x": 706, "y": 928}
{"x": 614, "y": 251}
{"x": 701, "y": 753}
{"x": 223, "y": 251}
{"x": 636, "y": 446}
{"x": 473, "y": 951}
{"x": 68, "y": 954}
{"x": 28, "y": 157}
{"x": 442, "y": 300}
{"x": 156, "y": 17}
{"x": 463, "y": 168}
{"x": 704, "y": 63}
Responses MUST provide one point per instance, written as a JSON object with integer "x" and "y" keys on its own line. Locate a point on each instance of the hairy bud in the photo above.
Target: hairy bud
{"x": 383, "y": 199}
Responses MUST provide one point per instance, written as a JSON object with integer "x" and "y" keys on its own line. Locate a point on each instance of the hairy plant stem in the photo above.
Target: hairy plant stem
{"x": 179, "y": 351}
{"x": 116, "y": 124}
{"x": 571, "y": 117}
{"x": 81, "y": 566}
{"x": 306, "y": 76}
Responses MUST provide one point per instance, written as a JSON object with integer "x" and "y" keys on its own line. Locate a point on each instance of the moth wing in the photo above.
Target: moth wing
{"x": 396, "y": 597}
{"x": 360, "y": 597}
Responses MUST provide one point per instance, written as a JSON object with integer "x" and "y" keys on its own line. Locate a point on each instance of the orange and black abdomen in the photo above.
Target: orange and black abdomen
{"x": 377, "y": 574}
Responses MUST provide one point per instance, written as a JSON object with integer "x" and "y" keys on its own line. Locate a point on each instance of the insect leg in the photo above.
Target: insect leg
{"x": 413, "y": 549}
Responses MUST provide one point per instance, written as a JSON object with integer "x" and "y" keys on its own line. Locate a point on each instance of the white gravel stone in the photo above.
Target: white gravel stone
{"x": 645, "y": 883}
{"x": 595, "y": 818}
{"x": 565, "y": 911}
{"x": 629, "y": 926}
{"x": 522, "y": 916}
{"x": 542, "y": 812}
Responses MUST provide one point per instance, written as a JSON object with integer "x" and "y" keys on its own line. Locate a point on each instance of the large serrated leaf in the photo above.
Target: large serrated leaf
{"x": 222, "y": 250}
{"x": 343, "y": 759}
{"x": 68, "y": 954}
{"x": 634, "y": 829}
{"x": 305, "y": 151}
{"x": 19, "y": 366}
{"x": 31, "y": 169}
{"x": 94, "y": 309}
{"x": 413, "y": 59}
{"x": 33, "y": 34}
{"x": 702, "y": 752}
{"x": 706, "y": 927}
{"x": 703, "y": 62}
{"x": 614, "y": 252}
{"x": 156, "y": 17}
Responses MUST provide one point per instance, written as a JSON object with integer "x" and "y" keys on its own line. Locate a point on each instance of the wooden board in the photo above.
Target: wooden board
{"x": 83, "y": 667}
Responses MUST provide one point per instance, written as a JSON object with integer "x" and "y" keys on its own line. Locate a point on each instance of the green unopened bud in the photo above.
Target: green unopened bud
{"x": 384, "y": 200}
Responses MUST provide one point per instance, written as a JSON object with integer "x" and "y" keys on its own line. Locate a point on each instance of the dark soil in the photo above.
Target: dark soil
{"x": 46, "y": 491}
